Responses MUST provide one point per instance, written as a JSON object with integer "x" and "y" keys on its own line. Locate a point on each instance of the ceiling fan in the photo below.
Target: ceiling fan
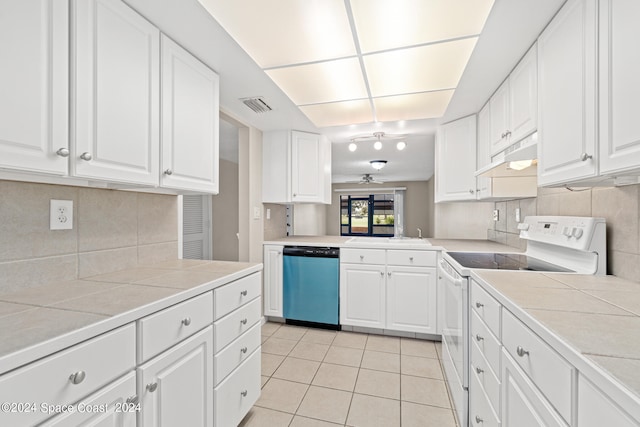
{"x": 378, "y": 137}
{"x": 367, "y": 178}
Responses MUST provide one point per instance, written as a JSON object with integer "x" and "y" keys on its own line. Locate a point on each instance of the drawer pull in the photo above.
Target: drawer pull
{"x": 479, "y": 371}
{"x": 244, "y": 393}
{"x": 243, "y": 293}
{"x": 78, "y": 377}
{"x": 243, "y": 349}
{"x": 133, "y": 400}
{"x": 479, "y": 338}
{"x": 244, "y": 321}
{"x": 479, "y": 304}
{"x": 152, "y": 387}
{"x": 521, "y": 351}
{"x": 186, "y": 321}
{"x": 361, "y": 257}
{"x": 382, "y": 273}
{"x": 411, "y": 258}
{"x": 479, "y": 420}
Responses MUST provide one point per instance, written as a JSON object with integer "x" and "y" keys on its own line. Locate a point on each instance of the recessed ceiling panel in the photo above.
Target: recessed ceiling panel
{"x": 339, "y": 113}
{"x": 385, "y": 24}
{"x": 287, "y": 31}
{"x": 322, "y": 82}
{"x": 427, "y": 68}
{"x": 415, "y": 106}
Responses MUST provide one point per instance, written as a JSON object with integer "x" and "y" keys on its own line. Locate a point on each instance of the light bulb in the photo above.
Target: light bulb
{"x": 401, "y": 145}
{"x": 520, "y": 164}
{"x": 377, "y": 145}
{"x": 353, "y": 147}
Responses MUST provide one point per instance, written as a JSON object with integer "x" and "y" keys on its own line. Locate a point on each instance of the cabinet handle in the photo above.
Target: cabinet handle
{"x": 243, "y": 293}
{"x": 86, "y": 156}
{"x": 361, "y": 257}
{"x": 411, "y": 259}
{"x": 63, "y": 152}
{"x": 152, "y": 387}
{"x": 295, "y": 194}
{"x": 522, "y": 352}
{"x": 479, "y": 338}
{"x": 471, "y": 191}
{"x": 479, "y": 370}
{"x": 584, "y": 157}
{"x": 507, "y": 133}
{"x": 243, "y": 350}
{"x": 168, "y": 172}
{"x": 133, "y": 400}
{"x": 382, "y": 273}
{"x": 78, "y": 377}
{"x": 244, "y": 321}
{"x": 479, "y": 304}
{"x": 479, "y": 420}
{"x": 389, "y": 274}
{"x": 244, "y": 393}
{"x": 186, "y": 321}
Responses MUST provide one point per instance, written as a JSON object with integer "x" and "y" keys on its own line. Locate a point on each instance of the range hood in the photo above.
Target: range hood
{"x": 523, "y": 150}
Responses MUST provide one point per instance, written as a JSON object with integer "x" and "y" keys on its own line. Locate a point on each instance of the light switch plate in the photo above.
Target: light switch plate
{"x": 61, "y": 215}
{"x": 496, "y": 215}
{"x": 256, "y": 212}
{"x": 517, "y": 214}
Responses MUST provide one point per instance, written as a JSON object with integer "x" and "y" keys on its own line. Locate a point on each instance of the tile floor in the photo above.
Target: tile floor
{"x": 314, "y": 377}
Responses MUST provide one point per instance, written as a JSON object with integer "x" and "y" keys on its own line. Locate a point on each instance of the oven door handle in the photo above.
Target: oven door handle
{"x": 449, "y": 277}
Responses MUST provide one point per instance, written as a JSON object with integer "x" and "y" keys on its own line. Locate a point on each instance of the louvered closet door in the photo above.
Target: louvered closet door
{"x": 196, "y": 228}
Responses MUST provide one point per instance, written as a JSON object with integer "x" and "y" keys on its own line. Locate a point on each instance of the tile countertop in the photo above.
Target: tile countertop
{"x": 593, "y": 321}
{"x": 41, "y": 320}
{"x": 436, "y": 244}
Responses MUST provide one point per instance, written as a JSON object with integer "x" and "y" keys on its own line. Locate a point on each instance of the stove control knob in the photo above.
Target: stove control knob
{"x": 577, "y": 232}
{"x": 566, "y": 231}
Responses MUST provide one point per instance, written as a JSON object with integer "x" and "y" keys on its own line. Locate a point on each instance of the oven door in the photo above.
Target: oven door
{"x": 455, "y": 337}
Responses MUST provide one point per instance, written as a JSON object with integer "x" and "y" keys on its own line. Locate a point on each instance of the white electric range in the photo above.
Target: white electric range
{"x": 572, "y": 245}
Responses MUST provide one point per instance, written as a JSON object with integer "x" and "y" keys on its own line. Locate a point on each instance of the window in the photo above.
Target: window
{"x": 370, "y": 215}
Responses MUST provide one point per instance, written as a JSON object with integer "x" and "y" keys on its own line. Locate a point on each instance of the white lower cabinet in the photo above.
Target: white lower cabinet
{"x": 362, "y": 295}
{"x": 175, "y": 388}
{"x": 522, "y": 404}
{"x": 596, "y": 409}
{"x": 115, "y": 405}
{"x": 481, "y": 412}
{"x": 234, "y": 397}
{"x": 410, "y": 293}
{"x": 273, "y": 280}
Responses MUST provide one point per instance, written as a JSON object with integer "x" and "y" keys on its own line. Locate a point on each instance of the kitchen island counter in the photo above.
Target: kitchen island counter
{"x": 41, "y": 320}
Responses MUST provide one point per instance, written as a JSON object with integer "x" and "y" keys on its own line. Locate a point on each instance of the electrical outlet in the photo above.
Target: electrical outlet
{"x": 256, "y": 212}
{"x": 496, "y": 215}
{"x": 268, "y": 213}
{"x": 61, "y": 215}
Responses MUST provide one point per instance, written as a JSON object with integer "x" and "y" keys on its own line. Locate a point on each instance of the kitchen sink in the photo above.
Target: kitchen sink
{"x": 389, "y": 240}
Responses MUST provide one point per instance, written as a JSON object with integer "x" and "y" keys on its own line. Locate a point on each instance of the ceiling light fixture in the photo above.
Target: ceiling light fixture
{"x": 519, "y": 165}
{"x": 353, "y": 147}
{"x": 377, "y": 145}
{"x": 401, "y": 145}
{"x": 378, "y": 164}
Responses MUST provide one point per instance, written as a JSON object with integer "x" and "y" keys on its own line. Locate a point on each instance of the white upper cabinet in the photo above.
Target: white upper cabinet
{"x": 296, "y": 167}
{"x": 483, "y": 156}
{"x": 619, "y": 86}
{"x": 455, "y": 163}
{"x": 567, "y": 69}
{"x": 190, "y": 121}
{"x": 514, "y": 105}
{"x": 34, "y": 76}
{"x": 115, "y": 101}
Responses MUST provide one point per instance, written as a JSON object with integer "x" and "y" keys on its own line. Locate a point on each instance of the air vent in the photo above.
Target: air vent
{"x": 257, "y": 104}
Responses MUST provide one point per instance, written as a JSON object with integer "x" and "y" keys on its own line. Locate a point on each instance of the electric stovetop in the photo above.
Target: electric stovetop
{"x": 504, "y": 261}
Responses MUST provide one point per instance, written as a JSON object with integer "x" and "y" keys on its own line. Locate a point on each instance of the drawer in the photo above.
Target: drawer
{"x": 487, "y": 343}
{"x": 549, "y": 371}
{"x": 159, "y": 331}
{"x": 236, "y": 294}
{"x": 363, "y": 256}
{"x": 487, "y": 377}
{"x": 49, "y": 381}
{"x": 480, "y": 411}
{"x": 233, "y": 325}
{"x": 237, "y": 352}
{"x": 487, "y": 307}
{"x": 233, "y": 398}
{"x": 412, "y": 258}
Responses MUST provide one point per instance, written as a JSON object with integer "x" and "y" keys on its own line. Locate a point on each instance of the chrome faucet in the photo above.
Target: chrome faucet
{"x": 419, "y": 233}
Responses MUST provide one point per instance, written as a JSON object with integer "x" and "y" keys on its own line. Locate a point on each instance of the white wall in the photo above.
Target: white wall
{"x": 310, "y": 220}
{"x": 462, "y": 220}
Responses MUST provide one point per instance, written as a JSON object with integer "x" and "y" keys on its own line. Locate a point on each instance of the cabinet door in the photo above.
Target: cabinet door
{"x": 522, "y": 404}
{"x": 115, "y": 112}
{"x": 34, "y": 88}
{"x": 362, "y": 295}
{"x": 456, "y": 160}
{"x": 306, "y": 172}
{"x": 190, "y": 121}
{"x": 619, "y": 86}
{"x": 523, "y": 97}
{"x": 411, "y": 299}
{"x": 596, "y": 409}
{"x": 176, "y": 387}
{"x": 499, "y": 105}
{"x": 483, "y": 157}
{"x": 273, "y": 280}
{"x": 567, "y": 95}
{"x": 114, "y": 405}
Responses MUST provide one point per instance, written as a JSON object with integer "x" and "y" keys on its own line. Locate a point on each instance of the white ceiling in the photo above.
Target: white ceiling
{"x": 510, "y": 29}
